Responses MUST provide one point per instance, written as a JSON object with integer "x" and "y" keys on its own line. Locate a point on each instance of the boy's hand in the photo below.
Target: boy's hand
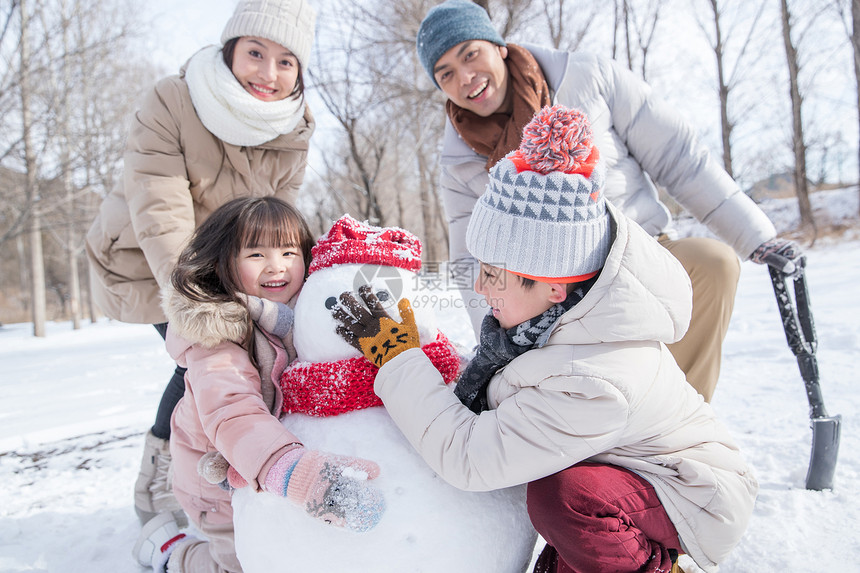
{"x": 373, "y": 332}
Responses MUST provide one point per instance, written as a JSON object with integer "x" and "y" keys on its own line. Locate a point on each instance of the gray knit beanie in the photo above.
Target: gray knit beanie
{"x": 543, "y": 214}
{"x": 290, "y": 23}
{"x": 448, "y": 24}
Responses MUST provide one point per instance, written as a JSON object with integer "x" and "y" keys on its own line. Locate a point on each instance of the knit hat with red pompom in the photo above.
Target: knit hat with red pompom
{"x": 352, "y": 242}
{"x": 543, "y": 215}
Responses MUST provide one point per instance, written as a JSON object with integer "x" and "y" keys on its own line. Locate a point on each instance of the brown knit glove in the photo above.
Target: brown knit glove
{"x": 371, "y": 330}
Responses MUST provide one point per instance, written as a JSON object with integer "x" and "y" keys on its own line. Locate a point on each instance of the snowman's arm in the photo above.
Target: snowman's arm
{"x": 372, "y": 330}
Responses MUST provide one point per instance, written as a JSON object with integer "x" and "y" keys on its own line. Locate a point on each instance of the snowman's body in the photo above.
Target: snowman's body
{"x": 428, "y": 525}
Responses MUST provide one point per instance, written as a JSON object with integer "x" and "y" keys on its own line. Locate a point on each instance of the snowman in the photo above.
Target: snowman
{"x": 428, "y": 525}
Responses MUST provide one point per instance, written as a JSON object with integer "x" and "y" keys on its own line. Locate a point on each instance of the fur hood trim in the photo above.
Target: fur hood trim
{"x": 206, "y": 324}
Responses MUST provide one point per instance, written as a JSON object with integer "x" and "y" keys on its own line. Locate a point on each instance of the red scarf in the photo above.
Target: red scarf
{"x": 332, "y": 388}
{"x": 500, "y": 133}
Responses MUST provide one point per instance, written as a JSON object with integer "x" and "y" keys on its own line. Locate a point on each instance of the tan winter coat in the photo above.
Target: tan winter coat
{"x": 176, "y": 174}
{"x": 223, "y": 408}
{"x": 603, "y": 388}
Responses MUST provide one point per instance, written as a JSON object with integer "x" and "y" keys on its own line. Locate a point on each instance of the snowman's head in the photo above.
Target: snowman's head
{"x": 352, "y": 254}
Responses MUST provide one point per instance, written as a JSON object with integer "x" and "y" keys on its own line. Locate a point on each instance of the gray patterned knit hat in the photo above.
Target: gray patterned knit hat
{"x": 290, "y": 23}
{"x": 543, "y": 214}
{"x": 448, "y": 24}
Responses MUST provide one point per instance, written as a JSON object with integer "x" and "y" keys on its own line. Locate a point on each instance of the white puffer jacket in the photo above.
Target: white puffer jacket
{"x": 640, "y": 138}
{"x": 603, "y": 388}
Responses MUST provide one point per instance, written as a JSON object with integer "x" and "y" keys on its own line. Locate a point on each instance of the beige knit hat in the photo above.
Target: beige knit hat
{"x": 290, "y": 23}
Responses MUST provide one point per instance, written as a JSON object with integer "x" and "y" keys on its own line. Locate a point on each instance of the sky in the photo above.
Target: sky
{"x": 182, "y": 28}
{"x": 76, "y": 405}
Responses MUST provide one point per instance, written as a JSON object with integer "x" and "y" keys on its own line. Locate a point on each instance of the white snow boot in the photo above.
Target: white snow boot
{"x": 153, "y": 490}
{"x": 158, "y": 538}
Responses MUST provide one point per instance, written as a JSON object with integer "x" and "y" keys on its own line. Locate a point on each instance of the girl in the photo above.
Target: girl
{"x": 230, "y": 323}
{"x": 233, "y": 123}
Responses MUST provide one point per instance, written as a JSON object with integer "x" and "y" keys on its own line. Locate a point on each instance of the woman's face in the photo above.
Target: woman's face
{"x": 267, "y": 70}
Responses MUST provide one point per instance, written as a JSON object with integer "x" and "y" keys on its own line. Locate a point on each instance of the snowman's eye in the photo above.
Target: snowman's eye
{"x": 383, "y": 295}
{"x": 330, "y": 302}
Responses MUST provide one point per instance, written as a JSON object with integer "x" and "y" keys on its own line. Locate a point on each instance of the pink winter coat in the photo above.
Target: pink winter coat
{"x": 225, "y": 405}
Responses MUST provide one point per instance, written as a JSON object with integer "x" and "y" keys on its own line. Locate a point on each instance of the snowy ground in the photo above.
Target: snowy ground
{"x": 76, "y": 404}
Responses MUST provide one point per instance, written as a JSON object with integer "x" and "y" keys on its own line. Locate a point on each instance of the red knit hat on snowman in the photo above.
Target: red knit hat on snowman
{"x": 332, "y": 388}
{"x": 352, "y": 242}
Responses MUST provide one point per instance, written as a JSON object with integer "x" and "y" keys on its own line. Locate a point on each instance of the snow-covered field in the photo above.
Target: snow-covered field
{"x": 75, "y": 406}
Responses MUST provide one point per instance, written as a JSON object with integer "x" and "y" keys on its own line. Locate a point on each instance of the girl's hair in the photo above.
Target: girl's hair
{"x": 229, "y": 50}
{"x": 206, "y": 270}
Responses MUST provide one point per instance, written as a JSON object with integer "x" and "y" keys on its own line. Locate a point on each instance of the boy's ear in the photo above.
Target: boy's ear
{"x": 558, "y": 292}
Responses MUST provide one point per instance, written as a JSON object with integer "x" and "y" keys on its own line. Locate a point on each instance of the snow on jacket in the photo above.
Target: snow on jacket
{"x": 176, "y": 174}
{"x": 640, "y": 138}
{"x": 603, "y": 388}
{"x": 223, "y": 407}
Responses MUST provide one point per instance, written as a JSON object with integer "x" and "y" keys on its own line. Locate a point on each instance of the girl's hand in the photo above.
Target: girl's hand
{"x": 333, "y": 489}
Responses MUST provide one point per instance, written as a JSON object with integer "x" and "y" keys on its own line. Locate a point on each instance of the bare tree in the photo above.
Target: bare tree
{"x": 32, "y": 194}
{"x": 723, "y": 87}
{"x": 639, "y": 23}
{"x": 727, "y": 81}
{"x": 383, "y": 166}
{"x": 70, "y": 244}
{"x": 855, "y": 44}
{"x": 558, "y": 20}
{"x": 798, "y": 142}
{"x": 363, "y": 158}
{"x": 851, "y": 19}
{"x": 67, "y": 148}
{"x": 509, "y": 15}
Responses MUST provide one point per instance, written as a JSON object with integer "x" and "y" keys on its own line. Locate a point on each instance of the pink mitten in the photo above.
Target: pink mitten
{"x": 331, "y": 488}
{"x": 235, "y": 480}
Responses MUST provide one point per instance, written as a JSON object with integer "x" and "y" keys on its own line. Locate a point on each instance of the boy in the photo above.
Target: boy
{"x": 572, "y": 390}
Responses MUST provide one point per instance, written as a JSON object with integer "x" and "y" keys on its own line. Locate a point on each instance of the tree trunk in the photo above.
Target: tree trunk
{"x": 800, "y": 179}
{"x": 432, "y": 250}
{"x": 855, "y": 42}
{"x": 725, "y": 124}
{"x": 71, "y": 242}
{"x": 626, "y": 20}
{"x": 37, "y": 267}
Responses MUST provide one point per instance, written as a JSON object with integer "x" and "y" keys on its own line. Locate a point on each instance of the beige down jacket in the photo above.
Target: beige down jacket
{"x": 602, "y": 388}
{"x": 176, "y": 174}
{"x": 224, "y": 408}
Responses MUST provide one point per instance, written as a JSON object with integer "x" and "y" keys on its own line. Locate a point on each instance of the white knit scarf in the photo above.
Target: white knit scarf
{"x": 231, "y": 113}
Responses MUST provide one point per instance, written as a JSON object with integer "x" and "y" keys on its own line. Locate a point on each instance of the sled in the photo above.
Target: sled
{"x": 800, "y": 334}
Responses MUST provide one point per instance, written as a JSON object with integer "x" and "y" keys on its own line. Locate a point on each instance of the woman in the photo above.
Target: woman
{"x": 233, "y": 123}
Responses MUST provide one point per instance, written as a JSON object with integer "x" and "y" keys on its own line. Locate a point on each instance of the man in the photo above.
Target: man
{"x": 494, "y": 89}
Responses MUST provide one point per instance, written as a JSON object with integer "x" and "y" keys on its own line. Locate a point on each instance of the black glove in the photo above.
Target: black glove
{"x": 781, "y": 254}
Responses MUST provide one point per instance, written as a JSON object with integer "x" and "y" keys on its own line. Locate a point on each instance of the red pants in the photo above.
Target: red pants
{"x": 600, "y": 518}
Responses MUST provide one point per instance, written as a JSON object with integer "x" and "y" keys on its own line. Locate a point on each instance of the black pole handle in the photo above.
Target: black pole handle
{"x": 800, "y": 332}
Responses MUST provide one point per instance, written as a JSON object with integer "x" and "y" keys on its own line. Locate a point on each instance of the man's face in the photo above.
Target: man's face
{"x": 473, "y": 75}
